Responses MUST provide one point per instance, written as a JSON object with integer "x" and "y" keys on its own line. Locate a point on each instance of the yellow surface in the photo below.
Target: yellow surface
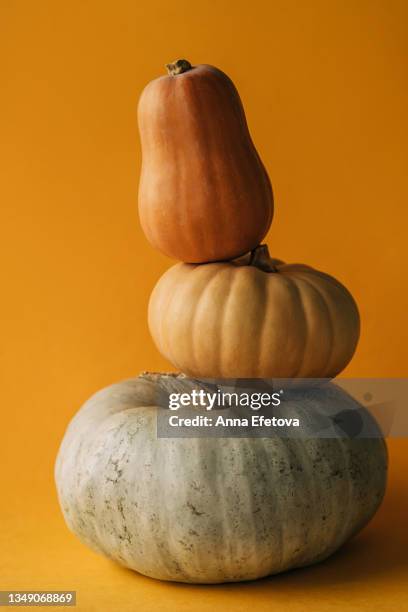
{"x": 325, "y": 90}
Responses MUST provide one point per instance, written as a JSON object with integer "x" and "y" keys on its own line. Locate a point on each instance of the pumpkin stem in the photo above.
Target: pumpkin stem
{"x": 261, "y": 259}
{"x": 178, "y": 67}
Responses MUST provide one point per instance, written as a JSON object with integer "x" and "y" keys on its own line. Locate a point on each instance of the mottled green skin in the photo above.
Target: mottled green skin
{"x": 209, "y": 510}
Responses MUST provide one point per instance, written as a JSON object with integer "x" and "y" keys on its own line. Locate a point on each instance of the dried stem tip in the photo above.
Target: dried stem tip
{"x": 178, "y": 67}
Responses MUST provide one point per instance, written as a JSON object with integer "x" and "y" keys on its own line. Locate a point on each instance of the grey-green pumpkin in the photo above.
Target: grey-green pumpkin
{"x": 210, "y": 510}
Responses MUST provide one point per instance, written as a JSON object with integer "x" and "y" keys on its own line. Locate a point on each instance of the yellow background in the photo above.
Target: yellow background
{"x": 325, "y": 89}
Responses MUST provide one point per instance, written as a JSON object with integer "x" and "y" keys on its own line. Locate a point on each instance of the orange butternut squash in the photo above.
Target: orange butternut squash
{"x": 204, "y": 193}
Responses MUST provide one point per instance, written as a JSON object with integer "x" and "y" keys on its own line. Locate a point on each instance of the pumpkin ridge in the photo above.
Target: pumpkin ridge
{"x": 348, "y": 305}
{"x": 221, "y": 492}
{"x": 158, "y": 291}
{"x": 193, "y": 306}
{"x": 258, "y": 535}
{"x": 262, "y": 328}
{"x": 168, "y": 319}
{"x": 304, "y": 340}
{"x": 327, "y": 372}
{"x": 345, "y": 527}
{"x": 312, "y": 489}
{"x": 205, "y": 287}
{"x": 351, "y": 305}
{"x": 322, "y": 301}
{"x": 280, "y": 506}
{"x": 228, "y": 297}
{"x": 291, "y": 289}
{"x": 256, "y": 286}
{"x": 164, "y": 497}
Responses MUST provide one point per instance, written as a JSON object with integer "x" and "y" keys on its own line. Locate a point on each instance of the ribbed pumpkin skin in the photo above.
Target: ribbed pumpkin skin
{"x": 211, "y": 510}
{"x": 224, "y": 320}
{"x": 204, "y": 194}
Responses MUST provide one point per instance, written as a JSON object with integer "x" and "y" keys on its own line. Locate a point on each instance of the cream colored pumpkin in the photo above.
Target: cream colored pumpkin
{"x": 257, "y": 318}
{"x": 210, "y": 510}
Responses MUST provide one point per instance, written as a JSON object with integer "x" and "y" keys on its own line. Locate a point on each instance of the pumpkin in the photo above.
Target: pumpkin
{"x": 253, "y": 318}
{"x": 205, "y": 509}
{"x": 204, "y": 194}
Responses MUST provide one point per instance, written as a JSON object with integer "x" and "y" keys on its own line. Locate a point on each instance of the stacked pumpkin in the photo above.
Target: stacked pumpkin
{"x": 211, "y": 509}
{"x": 205, "y": 197}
